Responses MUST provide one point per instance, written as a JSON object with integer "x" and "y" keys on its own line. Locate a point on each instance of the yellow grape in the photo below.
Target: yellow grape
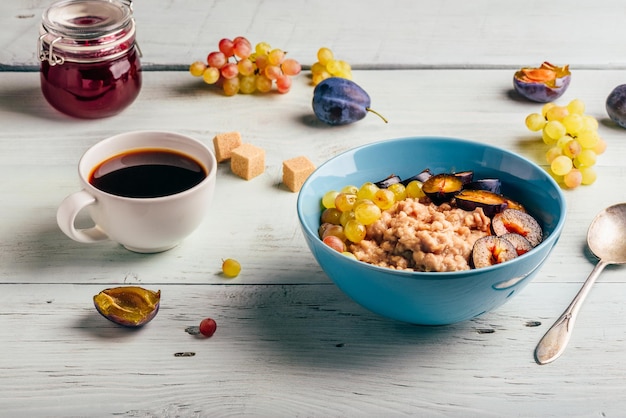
{"x": 590, "y": 122}
{"x": 247, "y": 84}
{"x": 276, "y": 56}
{"x": 600, "y": 146}
{"x": 197, "y": 68}
{"x": 231, "y": 267}
{"x": 398, "y": 190}
{"x": 576, "y": 106}
{"x": 384, "y": 198}
{"x": 552, "y": 153}
{"x": 586, "y": 158}
{"x": 572, "y": 148}
{"x": 262, "y": 48}
{"x": 331, "y": 216}
{"x": 535, "y": 122}
{"x": 546, "y": 107}
{"x": 345, "y": 217}
{"x": 263, "y": 84}
{"x": 554, "y": 129}
{"x": 414, "y": 189}
{"x": 589, "y": 175}
{"x": 324, "y": 55}
{"x": 350, "y": 188}
{"x": 588, "y": 138}
{"x": 556, "y": 113}
{"x": 318, "y": 78}
{"x": 318, "y": 68}
{"x": 355, "y": 231}
{"x": 345, "y": 201}
{"x": 246, "y": 67}
{"x": 367, "y": 190}
{"x": 211, "y": 75}
{"x": 366, "y": 212}
{"x": 328, "y": 200}
{"x": 573, "y": 123}
{"x": 561, "y": 165}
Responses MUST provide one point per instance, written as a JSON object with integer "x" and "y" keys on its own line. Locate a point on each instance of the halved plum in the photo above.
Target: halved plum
{"x": 492, "y": 250}
{"x": 442, "y": 187}
{"x": 542, "y": 84}
{"x": 517, "y": 222}
{"x": 521, "y": 244}
{"x": 491, "y": 185}
{"x": 491, "y": 203}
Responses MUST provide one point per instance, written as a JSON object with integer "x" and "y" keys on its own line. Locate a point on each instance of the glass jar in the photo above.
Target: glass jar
{"x": 90, "y": 65}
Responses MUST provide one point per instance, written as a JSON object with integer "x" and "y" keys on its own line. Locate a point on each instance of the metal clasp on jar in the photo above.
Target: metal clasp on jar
{"x": 49, "y": 55}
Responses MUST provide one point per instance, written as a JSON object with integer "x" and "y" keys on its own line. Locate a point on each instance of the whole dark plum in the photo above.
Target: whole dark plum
{"x": 616, "y": 105}
{"x": 339, "y": 101}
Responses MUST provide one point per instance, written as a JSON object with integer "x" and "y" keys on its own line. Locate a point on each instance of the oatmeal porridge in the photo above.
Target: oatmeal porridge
{"x": 421, "y": 236}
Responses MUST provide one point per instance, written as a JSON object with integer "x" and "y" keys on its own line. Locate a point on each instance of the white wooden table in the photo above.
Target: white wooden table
{"x": 289, "y": 343}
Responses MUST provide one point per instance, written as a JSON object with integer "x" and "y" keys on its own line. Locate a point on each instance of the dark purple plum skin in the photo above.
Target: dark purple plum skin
{"x": 491, "y": 185}
{"x": 616, "y": 105}
{"x": 539, "y": 92}
{"x": 339, "y": 101}
{"x": 422, "y": 176}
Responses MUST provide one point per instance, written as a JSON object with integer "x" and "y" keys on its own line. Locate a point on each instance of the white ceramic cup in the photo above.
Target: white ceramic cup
{"x": 145, "y": 225}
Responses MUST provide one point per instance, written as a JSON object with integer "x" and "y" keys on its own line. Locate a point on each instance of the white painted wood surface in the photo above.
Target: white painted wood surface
{"x": 289, "y": 343}
{"x": 368, "y": 34}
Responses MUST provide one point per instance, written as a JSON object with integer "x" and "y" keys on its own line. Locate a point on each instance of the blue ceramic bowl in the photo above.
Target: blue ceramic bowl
{"x": 432, "y": 298}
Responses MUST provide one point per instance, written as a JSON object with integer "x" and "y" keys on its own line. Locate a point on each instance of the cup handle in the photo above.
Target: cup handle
{"x": 66, "y": 217}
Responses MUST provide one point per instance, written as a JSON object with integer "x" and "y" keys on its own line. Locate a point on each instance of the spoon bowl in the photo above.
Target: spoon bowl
{"x": 606, "y": 238}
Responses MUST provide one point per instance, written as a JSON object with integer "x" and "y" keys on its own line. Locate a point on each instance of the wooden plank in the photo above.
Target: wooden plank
{"x": 303, "y": 350}
{"x": 398, "y": 34}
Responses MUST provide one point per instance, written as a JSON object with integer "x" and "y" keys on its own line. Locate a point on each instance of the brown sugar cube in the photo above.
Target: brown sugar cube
{"x": 224, "y": 144}
{"x": 247, "y": 161}
{"x": 296, "y": 171}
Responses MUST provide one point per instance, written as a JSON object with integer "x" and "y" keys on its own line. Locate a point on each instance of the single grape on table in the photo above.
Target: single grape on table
{"x": 573, "y": 140}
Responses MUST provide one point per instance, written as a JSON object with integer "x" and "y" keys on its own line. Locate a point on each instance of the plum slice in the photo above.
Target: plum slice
{"x": 517, "y": 222}
{"x": 422, "y": 176}
{"x": 521, "y": 244}
{"x": 442, "y": 187}
{"x": 491, "y": 203}
{"x": 465, "y": 176}
{"x": 492, "y": 250}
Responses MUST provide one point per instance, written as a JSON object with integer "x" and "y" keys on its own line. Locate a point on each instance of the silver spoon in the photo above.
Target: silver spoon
{"x": 606, "y": 238}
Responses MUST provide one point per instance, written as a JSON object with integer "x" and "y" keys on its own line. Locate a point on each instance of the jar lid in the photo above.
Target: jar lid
{"x": 86, "y": 19}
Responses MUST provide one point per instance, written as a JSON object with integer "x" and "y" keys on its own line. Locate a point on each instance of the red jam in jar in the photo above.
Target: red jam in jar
{"x": 90, "y": 65}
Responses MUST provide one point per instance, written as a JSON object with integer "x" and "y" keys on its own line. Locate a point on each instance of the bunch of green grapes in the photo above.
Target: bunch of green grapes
{"x": 573, "y": 140}
{"x": 327, "y": 66}
{"x": 240, "y": 69}
{"x": 348, "y": 212}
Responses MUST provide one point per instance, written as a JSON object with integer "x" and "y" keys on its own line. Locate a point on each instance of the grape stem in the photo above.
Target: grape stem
{"x": 377, "y": 114}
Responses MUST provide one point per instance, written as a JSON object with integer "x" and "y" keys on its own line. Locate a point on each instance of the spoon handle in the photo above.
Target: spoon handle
{"x": 553, "y": 343}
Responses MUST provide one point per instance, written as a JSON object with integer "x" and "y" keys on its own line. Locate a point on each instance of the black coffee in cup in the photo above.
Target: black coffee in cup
{"x": 147, "y": 173}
